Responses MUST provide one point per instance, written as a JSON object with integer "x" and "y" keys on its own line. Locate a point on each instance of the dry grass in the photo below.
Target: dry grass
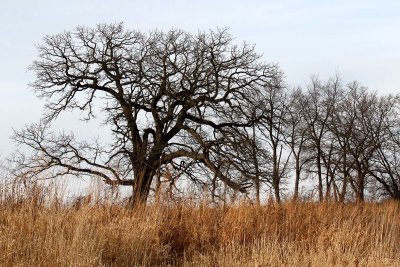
{"x": 292, "y": 234}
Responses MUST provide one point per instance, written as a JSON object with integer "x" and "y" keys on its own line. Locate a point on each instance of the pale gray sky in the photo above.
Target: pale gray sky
{"x": 358, "y": 39}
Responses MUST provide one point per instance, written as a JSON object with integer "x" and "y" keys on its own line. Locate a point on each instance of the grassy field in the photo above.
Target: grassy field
{"x": 35, "y": 232}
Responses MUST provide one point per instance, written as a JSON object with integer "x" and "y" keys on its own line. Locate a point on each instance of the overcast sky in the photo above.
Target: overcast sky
{"x": 360, "y": 40}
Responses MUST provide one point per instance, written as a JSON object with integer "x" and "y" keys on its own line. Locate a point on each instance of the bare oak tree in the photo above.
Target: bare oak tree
{"x": 272, "y": 132}
{"x": 321, "y": 99}
{"x": 169, "y": 98}
{"x": 384, "y": 127}
{"x": 296, "y": 135}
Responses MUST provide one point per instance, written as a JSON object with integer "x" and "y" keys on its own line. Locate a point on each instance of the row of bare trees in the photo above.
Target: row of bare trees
{"x": 340, "y": 139}
{"x": 208, "y": 112}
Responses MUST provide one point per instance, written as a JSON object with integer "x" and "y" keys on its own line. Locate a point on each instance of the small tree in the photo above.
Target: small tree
{"x": 169, "y": 98}
{"x": 272, "y": 129}
{"x": 321, "y": 99}
{"x": 296, "y": 135}
{"x": 384, "y": 128}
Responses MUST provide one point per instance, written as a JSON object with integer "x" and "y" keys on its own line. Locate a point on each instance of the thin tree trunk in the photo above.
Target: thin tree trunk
{"x": 343, "y": 192}
{"x": 319, "y": 169}
{"x": 275, "y": 175}
{"x": 277, "y": 192}
{"x": 257, "y": 170}
{"x": 297, "y": 180}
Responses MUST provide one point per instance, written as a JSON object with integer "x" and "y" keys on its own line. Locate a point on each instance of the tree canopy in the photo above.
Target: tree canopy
{"x": 170, "y": 98}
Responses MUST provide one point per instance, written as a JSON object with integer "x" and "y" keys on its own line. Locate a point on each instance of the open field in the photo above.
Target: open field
{"x": 290, "y": 234}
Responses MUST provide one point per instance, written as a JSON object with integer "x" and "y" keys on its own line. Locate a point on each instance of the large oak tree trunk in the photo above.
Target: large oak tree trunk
{"x": 141, "y": 186}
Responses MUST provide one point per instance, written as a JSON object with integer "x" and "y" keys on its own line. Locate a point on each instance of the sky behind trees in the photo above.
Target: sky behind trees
{"x": 357, "y": 39}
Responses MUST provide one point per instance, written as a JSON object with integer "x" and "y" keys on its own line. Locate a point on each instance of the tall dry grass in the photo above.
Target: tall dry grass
{"x": 37, "y": 232}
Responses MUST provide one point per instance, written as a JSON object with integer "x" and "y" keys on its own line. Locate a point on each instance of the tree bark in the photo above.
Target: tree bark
{"x": 319, "y": 168}
{"x": 275, "y": 174}
{"x": 360, "y": 186}
{"x": 141, "y": 187}
{"x": 297, "y": 180}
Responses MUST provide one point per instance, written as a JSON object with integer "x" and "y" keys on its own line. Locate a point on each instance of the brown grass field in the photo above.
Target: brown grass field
{"x": 35, "y": 232}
